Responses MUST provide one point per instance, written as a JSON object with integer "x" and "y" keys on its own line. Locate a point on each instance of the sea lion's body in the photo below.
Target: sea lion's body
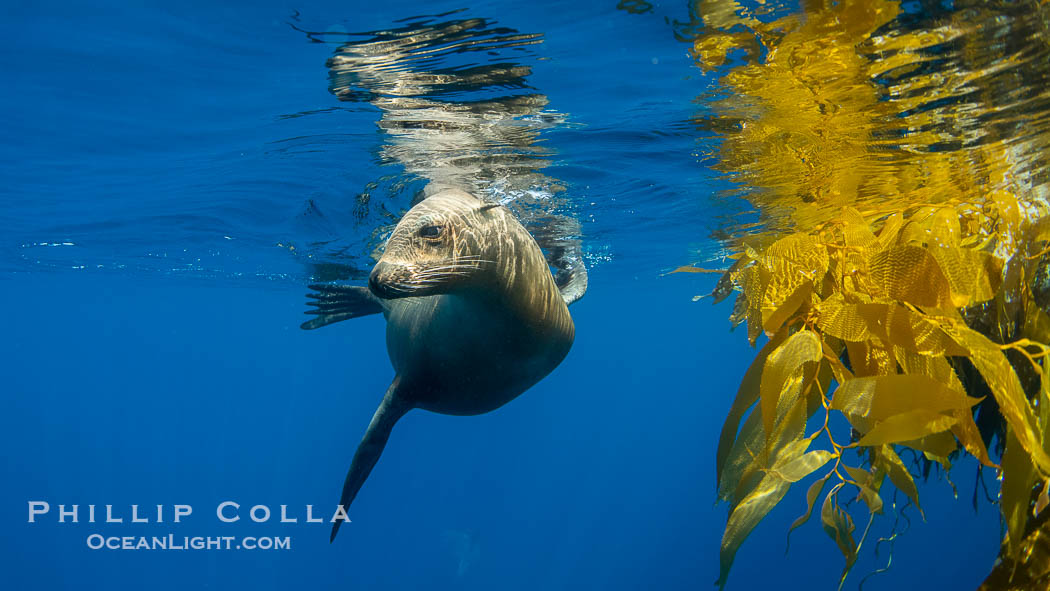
{"x": 468, "y": 354}
{"x": 474, "y": 316}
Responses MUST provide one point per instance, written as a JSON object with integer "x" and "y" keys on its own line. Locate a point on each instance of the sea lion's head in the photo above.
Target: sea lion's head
{"x": 440, "y": 246}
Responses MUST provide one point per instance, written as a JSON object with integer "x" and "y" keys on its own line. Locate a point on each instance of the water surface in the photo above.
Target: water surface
{"x": 174, "y": 175}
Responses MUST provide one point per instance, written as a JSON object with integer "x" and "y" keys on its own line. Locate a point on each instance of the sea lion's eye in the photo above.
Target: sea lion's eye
{"x": 432, "y": 231}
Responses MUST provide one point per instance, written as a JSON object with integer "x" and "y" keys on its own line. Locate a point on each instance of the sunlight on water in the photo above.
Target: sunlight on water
{"x": 456, "y": 110}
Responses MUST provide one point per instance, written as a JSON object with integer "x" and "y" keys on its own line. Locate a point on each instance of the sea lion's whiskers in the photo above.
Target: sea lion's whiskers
{"x": 443, "y": 268}
{"x": 472, "y": 260}
{"x": 450, "y": 270}
{"x": 457, "y": 267}
{"x": 402, "y": 288}
{"x": 434, "y": 277}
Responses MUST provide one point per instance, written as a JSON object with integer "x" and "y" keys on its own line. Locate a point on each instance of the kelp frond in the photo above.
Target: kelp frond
{"x": 904, "y": 236}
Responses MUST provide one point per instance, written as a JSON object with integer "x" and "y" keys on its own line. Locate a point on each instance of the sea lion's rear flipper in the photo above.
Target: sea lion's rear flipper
{"x": 339, "y": 302}
{"x": 371, "y": 447}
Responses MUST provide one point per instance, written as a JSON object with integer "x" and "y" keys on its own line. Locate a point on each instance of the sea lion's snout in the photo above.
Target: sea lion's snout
{"x": 383, "y": 279}
{"x": 394, "y": 280}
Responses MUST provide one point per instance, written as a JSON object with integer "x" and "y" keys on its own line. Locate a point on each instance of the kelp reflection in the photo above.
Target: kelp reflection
{"x": 898, "y": 161}
{"x": 857, "y": 104}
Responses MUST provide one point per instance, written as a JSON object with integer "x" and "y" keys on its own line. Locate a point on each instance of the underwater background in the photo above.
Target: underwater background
{"x": 174, "y": 175}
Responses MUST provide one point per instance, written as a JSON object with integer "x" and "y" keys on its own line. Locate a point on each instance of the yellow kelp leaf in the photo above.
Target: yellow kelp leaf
{"x": 746, "y": 396}
{"x": 831, "y": 355}
{"x": 774, "y": 318}
{"x": 763, "y": 449}
{"x": 889, "y": 461}
{"x": 966, "y": 431}
{"x": 945, "y": 229}
{"x": 913, "y": 233}
{"x": 973, "y": 276}
{"x": 753, "y": 281}
{"x": 941, "y": 371}
{"x": 782, "y": 375}
{"x": 811, "y": 498}
{"x": 1043, "y": 500}
{"x": 842, "y": 320}
{"x": 744, "y": 516}
{"x": 997, "y": 372}
{"x": 894, "y": 324}
{"x": 849, "y": 216}
{"x": 868, "y": 485}
{"x": 871, "y": 498}
{"x": 725, "y": 283}
{"x": 742, "y": 469}
{"x": 937, "y": 368}
{"x": 891, "y": 323}
{"x": 890, "y": 230}
{"x": 803, "y": 466}
{"x": 799, "y": 254}
{"x": 754, "y": 448}
{"x": 792, "y": 262}
{"x": 909, "y": 274}
{"x": 856, "y": 232}
{"x": 790, "y": 425}
{"x": 754, "y": 245}
{"x": 970, "y": 436}
{"x": 881, "y": 397}
{"x": 754, "y": 451}
{"x": 1039, "y": 231}
{"x": 869, "y": 359}
{"x": 740, "y": 308}
{"x": 1019, "y": 476}
{"x": 692, "y": 269}
{"x": 1006, "y": 205}
{"x": 935, "y": 446}
{"x": 907, "y": 426}
{"x": 839, "y": 526}
{"x": 1036, "y": 323}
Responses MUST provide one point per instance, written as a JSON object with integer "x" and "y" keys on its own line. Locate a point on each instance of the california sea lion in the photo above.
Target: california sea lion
{"x": 474, "y": 316}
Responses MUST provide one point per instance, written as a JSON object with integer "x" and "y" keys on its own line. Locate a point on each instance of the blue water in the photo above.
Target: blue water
{"x": 158, "y": 162}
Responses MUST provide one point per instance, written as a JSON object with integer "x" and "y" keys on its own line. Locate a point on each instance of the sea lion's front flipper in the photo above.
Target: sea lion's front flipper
{"x": 572, "y": 280}
{"x": 335, "y": 303}
{"x": 368, "y": 451}
{"x": 559, "y": 238}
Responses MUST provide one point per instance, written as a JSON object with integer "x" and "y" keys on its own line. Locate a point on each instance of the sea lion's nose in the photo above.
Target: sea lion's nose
{"x": 375, "y": 279}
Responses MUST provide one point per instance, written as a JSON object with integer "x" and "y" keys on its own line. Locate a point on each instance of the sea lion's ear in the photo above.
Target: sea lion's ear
{"x": 487, "y": 207}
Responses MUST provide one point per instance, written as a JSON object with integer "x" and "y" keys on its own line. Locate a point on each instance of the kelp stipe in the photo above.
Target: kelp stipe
{"x": 899, "y": 164}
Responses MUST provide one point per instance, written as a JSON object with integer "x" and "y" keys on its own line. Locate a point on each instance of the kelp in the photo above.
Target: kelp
{"x": 899, "y": 268}
{"x": 875, "y": 344}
